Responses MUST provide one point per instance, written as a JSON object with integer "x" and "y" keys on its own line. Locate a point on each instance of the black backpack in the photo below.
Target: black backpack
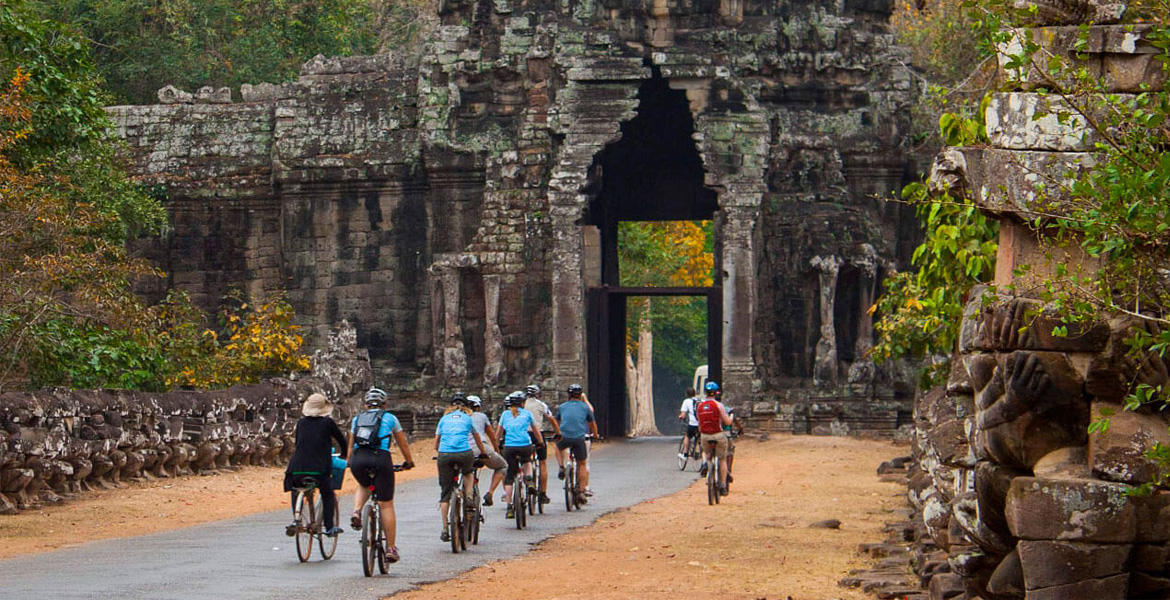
{"x": 367, "y": 429}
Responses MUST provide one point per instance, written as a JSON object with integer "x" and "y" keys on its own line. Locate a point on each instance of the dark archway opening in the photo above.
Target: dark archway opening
{"x": 653, "y": 173}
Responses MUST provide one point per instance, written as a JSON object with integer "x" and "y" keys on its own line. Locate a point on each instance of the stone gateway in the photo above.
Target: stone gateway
{"x": 456, "y": 205}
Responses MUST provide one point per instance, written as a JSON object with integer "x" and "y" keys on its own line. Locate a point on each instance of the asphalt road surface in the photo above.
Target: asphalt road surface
{"x": 251, "y": 558}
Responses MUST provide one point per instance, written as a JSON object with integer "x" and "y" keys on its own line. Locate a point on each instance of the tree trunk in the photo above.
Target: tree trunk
{"x": 640, "y": 380}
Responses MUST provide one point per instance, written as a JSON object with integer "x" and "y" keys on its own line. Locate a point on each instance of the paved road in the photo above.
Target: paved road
{"x": 250, "y": 558}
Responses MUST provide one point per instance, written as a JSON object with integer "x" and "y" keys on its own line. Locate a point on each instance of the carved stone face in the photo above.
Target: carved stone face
{"x": 1027, "y": 405}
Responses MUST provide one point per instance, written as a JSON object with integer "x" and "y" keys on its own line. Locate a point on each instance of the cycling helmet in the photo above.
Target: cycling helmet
{"x": 532, "y": 390}
{"x": 711, "y": 386}
{"x": 459, "y": 399}
{"x": 575, "y": 390}
{"x": 514, "y": 399}
{"x": 474, "y": 401}
{"x": 375, "y": 397}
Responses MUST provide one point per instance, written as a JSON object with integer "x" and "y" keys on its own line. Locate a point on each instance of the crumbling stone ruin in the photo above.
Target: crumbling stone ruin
{"x": 1016, "y": 498}
{"x": 57, "y": 443}
{"x": 458, "y": 205}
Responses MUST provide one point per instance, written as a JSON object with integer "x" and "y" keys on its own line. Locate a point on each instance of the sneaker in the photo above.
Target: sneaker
{"x": 730, "y": 479}
{"x": 355, "y": 521}
{"x": 723, "y": 490}
{"x": 511, "y": 512}
{"x": 392, "y": 554}
{"x": 703, "y": 470}
{"x": 334, "y": 531}
{"x": 561, "y": 473}
{"x": 291, "y": 529}
{"x": 682, "y": 456}
{"x": 589, "y": 492}
{"x": 544, "y": 499}
{"x": 487, "y": 499}
{"x": 445, "y": 536}
{"x": 581, "y": 498}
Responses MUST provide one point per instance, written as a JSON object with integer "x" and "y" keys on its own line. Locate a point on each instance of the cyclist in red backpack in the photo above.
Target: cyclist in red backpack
{"x": 712, "y": 419}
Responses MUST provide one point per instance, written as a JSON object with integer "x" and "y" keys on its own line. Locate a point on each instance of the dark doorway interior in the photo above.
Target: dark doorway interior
{"x": 653, "y": 173}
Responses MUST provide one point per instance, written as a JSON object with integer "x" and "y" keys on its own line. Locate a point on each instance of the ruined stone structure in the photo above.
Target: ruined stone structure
{"x": 457, "y": 205}
{"x": 1018, "y": 500}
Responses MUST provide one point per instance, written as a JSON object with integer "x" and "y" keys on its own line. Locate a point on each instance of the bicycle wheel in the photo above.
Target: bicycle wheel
{"x": 518, "y": 507}
{"x": 712, "y": 478}
{"x": 455, "y": 519}
{"x": 327, "y": 545}
{"x": 475, "y": 514}
{"x": 369, "y": 539}
{"x": 304, "y": 517}
{"x": 696, "y": 456}
{"x": 683, "y": 454}
{"x": 570, "y": 474}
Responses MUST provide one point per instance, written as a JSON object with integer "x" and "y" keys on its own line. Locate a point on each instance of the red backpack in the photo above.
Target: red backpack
{"x": 709, "y": 419}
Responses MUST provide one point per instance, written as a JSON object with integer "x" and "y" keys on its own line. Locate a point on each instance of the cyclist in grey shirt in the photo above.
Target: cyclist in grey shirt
{"x": 487, "y": 433}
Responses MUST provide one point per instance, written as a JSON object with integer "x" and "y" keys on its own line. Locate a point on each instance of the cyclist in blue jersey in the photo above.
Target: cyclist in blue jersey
{"x": 577, "y": 424}
{"x": 487, "y": 434}
{"x": 373, "y": 466}
{"x": 517, "y": 428}
{"x": 453, "y": 437}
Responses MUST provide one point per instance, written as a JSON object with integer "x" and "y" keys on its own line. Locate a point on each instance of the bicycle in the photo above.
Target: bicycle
{"x": 534, "y": 502}
{"x": 309, "y": 516}
{"x": 373, "y": 540}
{"x": 475, "y": 510}
{"x": 713, "y": 491}
{"x": 574, "y": 495}
{"x": 521, "y": 491}
{"x": 691, "y": 451}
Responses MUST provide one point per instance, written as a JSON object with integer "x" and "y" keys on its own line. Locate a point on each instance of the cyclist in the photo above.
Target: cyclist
{"x": 369, "y": 437}
{"x": 541, "y": 415}
{"x": 312, "y": 459}
{"x": 577, "y": 424}
{"x": 686, "y": 414}
{"x": 453, "y": 437}
{"x": 495, "y": 462}
{"x": 518, "y": 430}
{"x": 712, "y": 420}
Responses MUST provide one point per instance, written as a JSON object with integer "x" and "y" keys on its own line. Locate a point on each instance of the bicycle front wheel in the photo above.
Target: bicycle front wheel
{"x": 471, "y": 527}
{"x": 327, "y": 544}
{"x": 369, "y": 540}
{"x": 305, "y": 520}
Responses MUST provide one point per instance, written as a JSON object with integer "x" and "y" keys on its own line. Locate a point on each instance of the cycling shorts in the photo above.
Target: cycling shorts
{"x": 576, "y": 447}
{"x": 541, "y": 446}
{"x": 720, "y": 441}
{"x": 516, "y": 456}
{"x": 365, "y": 460}
{"x": 693, "y": 431}
{"x": 449, "y": 462}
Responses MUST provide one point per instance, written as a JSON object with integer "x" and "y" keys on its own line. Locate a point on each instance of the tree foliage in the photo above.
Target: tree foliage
{"x": 669, "y": 254}
{"x": 142, "y": 45}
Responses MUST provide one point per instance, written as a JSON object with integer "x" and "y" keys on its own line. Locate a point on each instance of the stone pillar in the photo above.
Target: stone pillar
{"x": 493, "y": 342}
{"x": 739, "y": 300}
{"x": 454, "y": 357}
{"x": 825, "y": 368}
{"x": 863, "y": 370}
{"x": 568, "y": 297}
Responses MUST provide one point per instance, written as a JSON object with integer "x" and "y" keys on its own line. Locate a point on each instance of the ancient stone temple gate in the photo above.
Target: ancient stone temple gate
{"x": 457, "y": 205}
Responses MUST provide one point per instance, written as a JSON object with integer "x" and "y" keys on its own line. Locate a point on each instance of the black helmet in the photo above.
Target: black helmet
{"x": 514, "y": 399}
{"x": 375, "y": 397}
{"x": 532, "y": 390}
{"x": 575, "y": 390}
{"x": 459, "y": 399}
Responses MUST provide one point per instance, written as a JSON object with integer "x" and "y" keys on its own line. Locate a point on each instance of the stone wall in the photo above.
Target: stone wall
{"x": 441, "y": 203}
{"x": 1019, "y": 501}
{"x": 55, "y": 444}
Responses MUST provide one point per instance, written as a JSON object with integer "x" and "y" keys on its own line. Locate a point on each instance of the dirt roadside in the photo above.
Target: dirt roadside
{"x": 756, "y": 544}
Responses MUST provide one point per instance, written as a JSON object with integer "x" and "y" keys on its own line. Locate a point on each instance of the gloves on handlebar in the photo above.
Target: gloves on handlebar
{"x": 408, "y": 465}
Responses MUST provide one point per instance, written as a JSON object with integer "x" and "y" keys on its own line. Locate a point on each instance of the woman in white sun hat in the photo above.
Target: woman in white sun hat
{"x": 316, "y": 434}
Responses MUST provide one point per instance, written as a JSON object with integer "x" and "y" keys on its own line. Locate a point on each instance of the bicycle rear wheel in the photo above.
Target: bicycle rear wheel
{"x": 369, "y": 540}
{"x": 327, "y": 544}
{"x": 712, "y": 478}
{"x": 683, "y": 454}
{"x": 475, "y": 514}
{"x": 304, "y": 516}
{"x": 570, "y": 475}
{"x": 455, "y": 519}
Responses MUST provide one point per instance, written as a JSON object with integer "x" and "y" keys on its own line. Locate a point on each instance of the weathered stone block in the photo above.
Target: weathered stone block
{"x": 1084, "y": 510}
{"x": 1109, "y": 588}
{"x": 1119, "y": 452}
{"x": 1026, "y": 121}
{"x": 1055, "y": 563}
